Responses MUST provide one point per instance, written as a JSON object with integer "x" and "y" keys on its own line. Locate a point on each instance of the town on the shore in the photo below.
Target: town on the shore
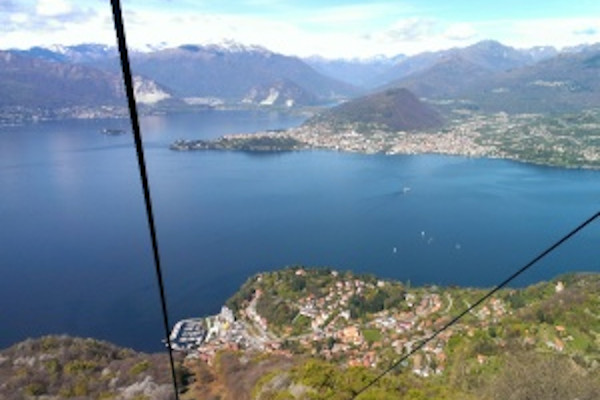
{"x": 330, "y": 330}
{"x": 531, "y": 138}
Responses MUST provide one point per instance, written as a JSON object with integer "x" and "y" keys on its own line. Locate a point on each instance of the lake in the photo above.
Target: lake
{"x": 75, "y": 253}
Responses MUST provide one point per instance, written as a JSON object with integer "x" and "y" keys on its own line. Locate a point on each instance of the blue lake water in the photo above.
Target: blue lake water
{"x": 75, "y": 254}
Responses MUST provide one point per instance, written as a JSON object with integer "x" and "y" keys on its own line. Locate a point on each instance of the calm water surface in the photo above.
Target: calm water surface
{"x": 75, "y": 254}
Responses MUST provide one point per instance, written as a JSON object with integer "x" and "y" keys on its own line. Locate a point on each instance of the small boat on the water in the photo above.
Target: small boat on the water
{"x": 113, "y": 131}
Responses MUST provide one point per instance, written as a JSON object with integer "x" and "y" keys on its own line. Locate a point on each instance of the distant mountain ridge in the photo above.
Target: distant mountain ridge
{"x": 379, "y": 71}
{"x": 233, "y": 75}
{"x": 82, "y": 53}
{"x": 486, "y": 76}
{"x": 359, "y": 72}
{"x": 489, "y": 55}
{"x": 40, "y": 83}
{"x": 231, "y": 72}
{"x": 568, "y": 82}
{"x": 444, "y": 79}
{"x": 506, "y": 81}
{"x": 35, "y": 82}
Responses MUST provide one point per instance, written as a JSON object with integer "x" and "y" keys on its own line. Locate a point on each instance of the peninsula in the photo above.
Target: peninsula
{"x": 322, "y": 328}
{"x": 318, "y": 333}
{"x": 398, "y": 123}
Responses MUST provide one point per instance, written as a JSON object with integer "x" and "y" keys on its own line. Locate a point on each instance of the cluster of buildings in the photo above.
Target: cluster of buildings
{"x": 333, "y": 333}
{"x": 16, "y": 115}
{"x": 458, "y": 141}
{"x": 475, "y": 135}
{"x": 203, "y": 337}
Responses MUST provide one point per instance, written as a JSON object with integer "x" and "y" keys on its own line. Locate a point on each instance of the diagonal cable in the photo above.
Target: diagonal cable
{"x": 127, "y": 78}
{"x": 489, "y": 294}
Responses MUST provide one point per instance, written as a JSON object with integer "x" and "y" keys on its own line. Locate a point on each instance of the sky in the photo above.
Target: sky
{"x": 329, "y": 28}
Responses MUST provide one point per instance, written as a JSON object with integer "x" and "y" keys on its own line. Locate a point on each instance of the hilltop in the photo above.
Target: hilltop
{"x": 391, "y": 110}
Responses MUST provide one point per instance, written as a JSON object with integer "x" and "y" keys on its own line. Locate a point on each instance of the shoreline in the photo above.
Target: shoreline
{"x": 529, "y": 138}
{"x": 250, "y": 319}
{"x": 244, "y": 143}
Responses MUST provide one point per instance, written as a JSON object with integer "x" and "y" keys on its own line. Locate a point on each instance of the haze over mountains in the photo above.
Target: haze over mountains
{"x": 487, "y": 76}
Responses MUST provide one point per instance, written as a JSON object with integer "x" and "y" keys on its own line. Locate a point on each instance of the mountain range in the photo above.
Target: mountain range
{"x": 193, "y": 71}
{"x": 567, "y": 82}
{"x": 488, "y": 76}
{"x": 38, "y": 82}
{"x": 492, "y": 78}
{"x": 380, "y": 71}
{"x": 232, "y": 74}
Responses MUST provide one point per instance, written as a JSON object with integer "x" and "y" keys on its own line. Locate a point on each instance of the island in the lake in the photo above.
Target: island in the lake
{"x": 396, "y": 122}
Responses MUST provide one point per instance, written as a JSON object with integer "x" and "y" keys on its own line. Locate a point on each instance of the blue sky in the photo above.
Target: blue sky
{"x": 333, "y": 28}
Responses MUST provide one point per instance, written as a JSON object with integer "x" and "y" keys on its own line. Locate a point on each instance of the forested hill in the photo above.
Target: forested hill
{"x": 393, "y": 110}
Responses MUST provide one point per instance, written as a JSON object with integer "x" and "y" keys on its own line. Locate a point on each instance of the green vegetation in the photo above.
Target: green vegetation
{"x": 269, "y": 142}
{"x": 565, "y": 140}
{"x": 372, "y": 335}
{"x": 315, "y": 379}
{"x": 62, "y": 367}
{"x": 367, "y": 125}
{"x": 140, "y": 367}
{"x": 552, "y": 326}
{"x": 539, "y": 342}
{"x": 281, "y": 290}
{"x": 277, "y": 311}
{"x": 392, "y": 110}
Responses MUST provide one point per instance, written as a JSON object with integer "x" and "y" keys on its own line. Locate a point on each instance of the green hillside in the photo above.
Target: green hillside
{"x": 393, "y": 110}
{"x": 532, "y": 343}
{"x": 62, "y": 367}
{"x": 317, "y": 333}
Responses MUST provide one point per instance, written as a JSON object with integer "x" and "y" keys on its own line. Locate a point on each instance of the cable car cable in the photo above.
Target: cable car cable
{"x": 476, "y": 304}
{"x": 128, "y": 81}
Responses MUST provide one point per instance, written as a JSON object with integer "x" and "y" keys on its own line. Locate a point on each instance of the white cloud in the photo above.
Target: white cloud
{"x": 75, "y": 27}
{"x": 408, "y": 29}
{"x": 53, "y": 8}
{"x": 558, "y": 32}
{"x": 587, "y": 31}
{"x": 19, "y": 18}
{"x": 461, "y": 31}
{"x": 415, "y": 35}
{"x": 334, "y": 31}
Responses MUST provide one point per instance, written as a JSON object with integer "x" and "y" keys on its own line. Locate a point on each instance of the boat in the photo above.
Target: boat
{"x": 113, "y": 131}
